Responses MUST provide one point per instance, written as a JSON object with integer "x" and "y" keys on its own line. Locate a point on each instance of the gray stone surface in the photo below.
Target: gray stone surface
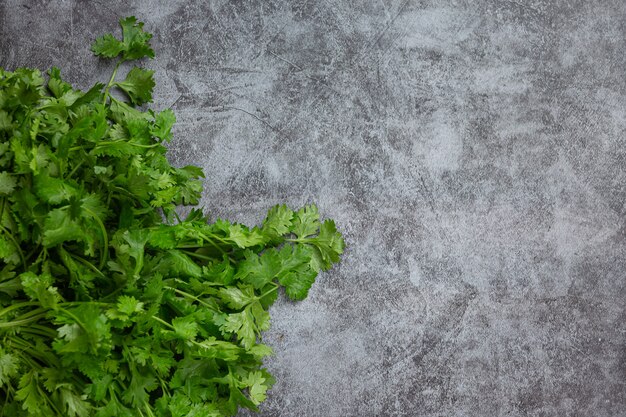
{"x": 473, "y": 153}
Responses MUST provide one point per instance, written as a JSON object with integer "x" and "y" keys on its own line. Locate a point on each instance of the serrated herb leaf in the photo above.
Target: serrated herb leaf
{"x": 278, "y": 221}
{"x": 138, "y": 85}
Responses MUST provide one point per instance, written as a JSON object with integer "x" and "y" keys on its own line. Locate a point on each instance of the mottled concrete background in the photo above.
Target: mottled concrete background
{"x": 473, "y": 153}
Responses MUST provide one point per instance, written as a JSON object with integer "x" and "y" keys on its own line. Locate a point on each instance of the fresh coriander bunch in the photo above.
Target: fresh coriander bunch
{"x": 111, "y": 306}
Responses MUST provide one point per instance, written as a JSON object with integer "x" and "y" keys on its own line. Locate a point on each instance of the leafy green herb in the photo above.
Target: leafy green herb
{"x": 110, "y": 306}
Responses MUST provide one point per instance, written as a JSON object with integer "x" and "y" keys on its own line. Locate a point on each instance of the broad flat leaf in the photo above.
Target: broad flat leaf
{"x": 60, "y": 227}
{"x": 181, "y": 264}
{"x": 29, "y": 393}
{"x": 185, "y": 328}
{"x": 257, "y": 270}
{"x": 40, "y": 288}
{"x": 56, "y": 85}
{"x": 243, "y": 237}
{"x": 257, "y": 382}
{"x": 298, "y": 282}
{"x": 261, "y": 316}
{"x": 278, "y": 221}
{"x": 306, "y": 222}
{"x": 114, "y": 408}
{"x": 329, "y": 245}
{"x": 135, "y": 39}
{"x": 163, "y": 123}
{"x": 9, "y": 366}
{"x": 8, "y": 251}
{"x": 220, "y": 272}
{"x": 235, "y": 297}
{"x": 138, "y": 389}
{"x": 138, "y": 85}
{"x": 241, "y": 324}
{"x": 5, "y": 121}
{"x": 75, "y": 405}
{"x": 129, "y": 305}
{"x": 54, "y": 190}
{"x": 133, "y": 46}
{"x": 107, "y": 46}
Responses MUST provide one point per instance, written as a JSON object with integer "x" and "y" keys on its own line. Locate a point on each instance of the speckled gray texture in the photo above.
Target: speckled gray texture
{"x": 472, "y": 152}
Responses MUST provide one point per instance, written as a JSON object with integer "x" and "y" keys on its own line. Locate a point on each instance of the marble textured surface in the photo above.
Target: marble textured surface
{"x": 472, "y": 152}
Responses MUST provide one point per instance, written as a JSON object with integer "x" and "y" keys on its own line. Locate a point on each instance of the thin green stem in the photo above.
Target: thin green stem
{"x": 38, "y": 310}
{"x": 110, "y": 83}
{"x": 199, "y": 256}
{"x": 32, "y": 313}
{"x": 78, "y": 164}
{"x": 125, "y": 192}
{"x": 18, "y": 306}
{"x": 112, "y": 142}
{"x": 202, "y": 246}
{"x": 220, "y": 239}
{"x": 23, "y": 344}
{"x": 163, "y": 322}
{"x": 78, "y": 303}
{"x": 150, "y": 414}
{"x": 268, "y": 292}
{"x": 43, "y": 255}
{"x": 104, "y": 253}
{"x": 192, "y": 297}
{"x": 210, "y": 240}
{"x": 2, "y": 209}
{"x": 113, "y": 293}
{"x": 49, "y": 400}
{"x": 33, "y": 351}
{"x": 76, "y": 319}
{"x": 38, "y": 330}
{"x": 87, "y": 264}
{"x": 16, "y": 323}
{"x": 164, "y": 386}
{"x": 30, "y": 362}
{"x": 299, "y": 240}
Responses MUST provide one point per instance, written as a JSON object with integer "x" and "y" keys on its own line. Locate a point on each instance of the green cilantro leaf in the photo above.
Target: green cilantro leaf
{"x": 140, "y": 385}
{"x": 244, "y": 237}
{"x": 241, "y": 324}
{"x": 30, "y": 394}
{"x": 107, "y": 46}
{"x": 135, "y": 43}
{"x": 278, "y": 221}
{"x": 306, "y": 222}
{"x": 236, "y": 298}
{"x": 328, "y": 244}
{"x": 258, "y": 383}
{"x": 163, "y": 123}
{"x": 185, "y": 328}
{"x": 75, "y": 404}
{"x": 9, "y": 367}
{"x": 138, "y": 85}
{"x": 5, "y": 121}
{"x": 129, "y": 305}
{"x": 135, "y": 39}
{"x": 54, "y": 190}
{"x": 7, "y": 183}
{"x": 114, "y": 408}
{"x": 40, "y": 288}
{"x": 258, "y": 271}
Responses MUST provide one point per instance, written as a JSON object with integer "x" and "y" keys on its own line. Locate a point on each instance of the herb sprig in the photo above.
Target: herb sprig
{"x": 111, "y": 306}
